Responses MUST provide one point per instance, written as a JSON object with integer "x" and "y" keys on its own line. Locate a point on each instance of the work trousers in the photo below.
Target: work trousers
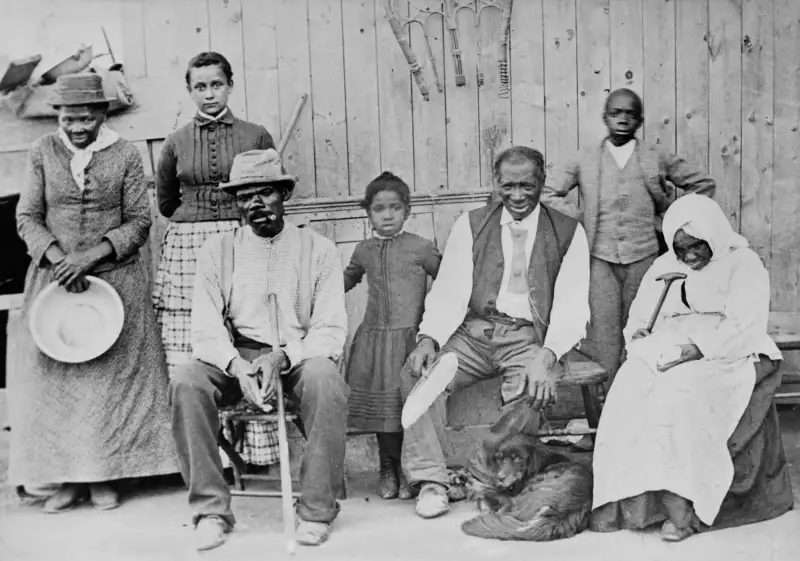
{"x": 485, "y": 350}
{"x": 612, "y": 288}
{"x": 197, "y": 389}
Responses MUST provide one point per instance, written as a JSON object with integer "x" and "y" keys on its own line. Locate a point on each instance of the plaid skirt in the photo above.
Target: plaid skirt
{"x": 172, "y": 300}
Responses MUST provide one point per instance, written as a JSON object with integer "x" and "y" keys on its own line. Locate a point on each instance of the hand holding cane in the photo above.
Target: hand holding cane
{"x": 668, "y": 279}
{"x": 283, "y": 443}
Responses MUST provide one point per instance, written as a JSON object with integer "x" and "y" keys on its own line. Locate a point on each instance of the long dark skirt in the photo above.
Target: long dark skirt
{"x": 101, "y": 420}
{"x": 761, "y": 488}
{"x": 373, "y": 374}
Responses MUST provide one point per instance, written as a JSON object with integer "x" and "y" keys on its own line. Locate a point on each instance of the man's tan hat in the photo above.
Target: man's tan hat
{"x": 257, "y": 167}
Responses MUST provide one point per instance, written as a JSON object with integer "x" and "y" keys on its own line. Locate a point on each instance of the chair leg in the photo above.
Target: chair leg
{"x": 591, "y": 406}
{"x": 601, "y": 392}
{"x": 237, "y": 464}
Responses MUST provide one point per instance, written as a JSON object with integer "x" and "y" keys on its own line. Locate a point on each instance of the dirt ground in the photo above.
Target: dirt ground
{"x": 152, "y": 524}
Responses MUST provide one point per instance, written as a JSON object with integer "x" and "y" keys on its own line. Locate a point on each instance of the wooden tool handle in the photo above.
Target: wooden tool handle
{"x": 287, "y": 134}
{"x": 283, "y": 442}
{"x": 401, "y": 34}
{"x": 659, "y": 304}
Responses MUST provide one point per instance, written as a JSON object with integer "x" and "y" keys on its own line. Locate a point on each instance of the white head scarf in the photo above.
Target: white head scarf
{"x": 702, "y": 218}
{"x": 82, "y": 156}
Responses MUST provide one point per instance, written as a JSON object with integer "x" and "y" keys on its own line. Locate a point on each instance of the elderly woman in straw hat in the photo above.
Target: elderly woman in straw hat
{"x": 84, "y": 210}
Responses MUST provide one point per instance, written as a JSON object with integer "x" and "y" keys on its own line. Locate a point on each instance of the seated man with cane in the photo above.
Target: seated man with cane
{"x": 510, "y": 299}
{"x": 232, "y": 357}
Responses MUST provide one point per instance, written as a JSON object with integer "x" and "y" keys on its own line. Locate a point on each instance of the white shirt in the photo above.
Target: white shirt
{"x": 509, "y": 303}
{"x": 621, "y": 154}
{"x": 447, "y": 302}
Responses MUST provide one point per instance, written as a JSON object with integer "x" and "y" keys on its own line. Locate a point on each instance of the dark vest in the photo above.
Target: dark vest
{"x": 553, "y": 237}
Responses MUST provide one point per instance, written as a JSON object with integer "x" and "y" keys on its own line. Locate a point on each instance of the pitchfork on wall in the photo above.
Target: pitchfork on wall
{"x": 449, "y": 9}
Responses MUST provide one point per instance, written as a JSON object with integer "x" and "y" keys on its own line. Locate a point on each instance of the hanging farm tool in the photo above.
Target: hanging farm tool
{"x": 450, "y": 12}
{"x": 504, "y": 48}
{"x": 401, "y": 27}
{"x": 504, "y": 6}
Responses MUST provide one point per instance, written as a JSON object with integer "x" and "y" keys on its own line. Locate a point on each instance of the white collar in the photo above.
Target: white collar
{"x": 219, "y": 115}
{"x": 377, "y": 235}
{"x": 528, "y": 223}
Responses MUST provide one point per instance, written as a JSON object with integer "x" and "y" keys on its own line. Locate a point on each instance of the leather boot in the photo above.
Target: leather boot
{"x": 387, "y": 488}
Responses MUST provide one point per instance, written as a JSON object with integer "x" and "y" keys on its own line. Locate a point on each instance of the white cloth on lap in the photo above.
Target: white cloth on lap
{"x": 669, "y": 430}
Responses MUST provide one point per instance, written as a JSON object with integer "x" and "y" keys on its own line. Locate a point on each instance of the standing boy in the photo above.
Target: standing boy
{"x": 624, "y": 191}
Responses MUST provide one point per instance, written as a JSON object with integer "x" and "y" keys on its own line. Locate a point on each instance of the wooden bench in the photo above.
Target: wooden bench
{"x": 784, "y": 328}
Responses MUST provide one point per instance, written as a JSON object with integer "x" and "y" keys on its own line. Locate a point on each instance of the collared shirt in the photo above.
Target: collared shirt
{"x": 509, "y": 303}
{"x": 447, "y": 302}
{"x": 261, "y": 266}
{"x": 621, "y": 154}
{"x": 216, "y": 117}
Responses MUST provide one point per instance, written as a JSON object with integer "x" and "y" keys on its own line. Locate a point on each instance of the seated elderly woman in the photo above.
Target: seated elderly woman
{"x": 689, "y": 436}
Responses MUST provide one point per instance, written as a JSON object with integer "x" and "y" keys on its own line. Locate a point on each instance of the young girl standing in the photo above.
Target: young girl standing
{"x": 397, "y": 265}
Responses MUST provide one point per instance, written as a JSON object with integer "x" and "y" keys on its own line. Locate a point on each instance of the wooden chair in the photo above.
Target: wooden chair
{"x": 784, "y": 328}
{"x": 240, "y": 469}
{"x": 591, "y": 378}
{"x": 234, "y": 419}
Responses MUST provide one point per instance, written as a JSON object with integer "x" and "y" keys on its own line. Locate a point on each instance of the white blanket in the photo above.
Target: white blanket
{"x": 669, "y": 430}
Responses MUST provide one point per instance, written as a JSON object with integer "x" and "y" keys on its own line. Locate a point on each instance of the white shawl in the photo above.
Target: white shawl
{"x": 82, "y": 156}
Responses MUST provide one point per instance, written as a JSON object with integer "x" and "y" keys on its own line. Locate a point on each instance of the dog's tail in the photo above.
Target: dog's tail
{"x": 547, "y": 525}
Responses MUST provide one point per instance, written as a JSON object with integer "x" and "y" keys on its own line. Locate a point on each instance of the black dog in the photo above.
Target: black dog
{"x": 532, "y": 494}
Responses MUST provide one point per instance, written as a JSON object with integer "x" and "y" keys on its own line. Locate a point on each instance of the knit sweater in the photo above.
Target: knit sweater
{"x": 195, "y": 159}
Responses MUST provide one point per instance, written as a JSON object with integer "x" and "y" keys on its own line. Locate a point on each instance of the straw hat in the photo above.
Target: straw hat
{"x": 84, "y": 88}
{"x": 76, "y": 328}
{"x": 257, "y": 167}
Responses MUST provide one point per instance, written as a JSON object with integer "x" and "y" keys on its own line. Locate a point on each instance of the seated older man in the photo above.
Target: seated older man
{"x": 232, "y": 359}
{"x": 510, "y": 300}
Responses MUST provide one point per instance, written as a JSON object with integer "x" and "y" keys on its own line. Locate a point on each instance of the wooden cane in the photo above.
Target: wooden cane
{"x": 283, "y": 443}
{"x": 287, "y": 134}
{"x": 668, "y": 279}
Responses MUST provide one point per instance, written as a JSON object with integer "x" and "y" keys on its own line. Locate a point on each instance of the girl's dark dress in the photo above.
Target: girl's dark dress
{"x": 397, "y": 272}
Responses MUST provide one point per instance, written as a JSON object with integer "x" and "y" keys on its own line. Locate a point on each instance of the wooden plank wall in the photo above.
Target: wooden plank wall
{"x": 719, "y": 78}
